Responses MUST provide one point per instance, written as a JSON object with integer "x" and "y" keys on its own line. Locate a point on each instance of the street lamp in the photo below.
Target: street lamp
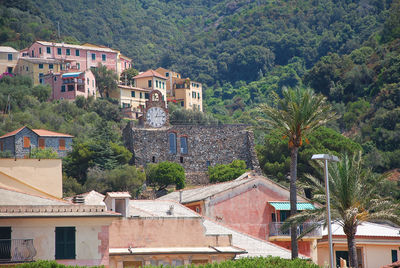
{"x": 326, "y": 158}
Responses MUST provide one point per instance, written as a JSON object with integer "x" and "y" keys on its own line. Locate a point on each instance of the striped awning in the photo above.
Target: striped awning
{"x": 70, "y": 75}
{"x": 286, "y": 205}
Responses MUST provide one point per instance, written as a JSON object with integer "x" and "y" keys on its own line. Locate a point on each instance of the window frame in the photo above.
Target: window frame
{"x": 48, "y": 51}
{"x": 59, "y": 51}
{"x": 133, "y": 94}
{"x": 65, "y": 243}
{"x": 10, "y": 56}
{"x": 68, "y": 51}
{"x": 93, "y": 56}
{"x": 183, "y": 149}
{"x": 103, "y": 57}
{"x": 77, "y": 53}
{"x": 51, "y": 66}
{"x": 41, "y": 66}
{"x": 62, "y": 88}
{"x": 172, "y": 143}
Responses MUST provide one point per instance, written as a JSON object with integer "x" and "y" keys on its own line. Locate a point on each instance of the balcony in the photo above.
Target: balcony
{"x": 275, "y": 231}
{"x": 16, "y": 250}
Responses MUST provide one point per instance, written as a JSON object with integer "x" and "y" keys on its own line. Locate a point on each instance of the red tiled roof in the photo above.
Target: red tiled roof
{"x": 12, "y": 133}
{"x": 40, "y": 132}
{"x": 48, "y": 133}
{"x": 150, "y": 73}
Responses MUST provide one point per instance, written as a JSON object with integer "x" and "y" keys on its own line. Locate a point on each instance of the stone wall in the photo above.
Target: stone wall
{"x": 207, "y": 146}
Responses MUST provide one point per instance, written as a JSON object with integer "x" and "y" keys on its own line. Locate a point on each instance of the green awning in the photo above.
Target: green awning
{"x": 286, "y": 205}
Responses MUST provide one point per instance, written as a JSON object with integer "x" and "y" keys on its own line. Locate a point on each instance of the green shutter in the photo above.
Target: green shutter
{"x": 65, "y": 243}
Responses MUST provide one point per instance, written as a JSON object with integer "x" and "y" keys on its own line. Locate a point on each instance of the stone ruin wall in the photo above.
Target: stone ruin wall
{"x": 217, "y": 144}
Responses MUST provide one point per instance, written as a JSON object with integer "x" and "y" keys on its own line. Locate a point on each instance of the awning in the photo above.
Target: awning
{"x": 70, "y": 75}
{"x": 286, "y": 205}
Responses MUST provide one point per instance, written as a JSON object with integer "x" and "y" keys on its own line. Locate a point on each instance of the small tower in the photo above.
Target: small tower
{"x": 118, "y": 202}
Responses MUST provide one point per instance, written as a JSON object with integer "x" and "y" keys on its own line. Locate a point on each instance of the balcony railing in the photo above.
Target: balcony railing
{"x": 16, "y": 250}
{"x": 275, "y": 230}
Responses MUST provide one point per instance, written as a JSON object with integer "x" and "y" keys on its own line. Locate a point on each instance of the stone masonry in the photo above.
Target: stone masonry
{"x": 207, "y": 146}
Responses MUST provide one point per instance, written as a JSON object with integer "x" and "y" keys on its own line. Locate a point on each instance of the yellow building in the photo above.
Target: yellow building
{"x": 182, "y": 90}
{"x": 151, "y": 80}
{"x": 36, "y": 68}
{"x": 132, "y": 99}
{"x": 8, "y": 59}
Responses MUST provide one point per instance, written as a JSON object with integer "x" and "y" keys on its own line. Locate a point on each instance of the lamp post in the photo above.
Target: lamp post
{"x": 326, "y": 158}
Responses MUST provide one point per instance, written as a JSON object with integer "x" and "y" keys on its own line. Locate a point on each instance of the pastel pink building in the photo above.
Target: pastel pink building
{"x": 251, "y": 204}
{"x": 79, "y": 57}
{"x": 69, "y": 85}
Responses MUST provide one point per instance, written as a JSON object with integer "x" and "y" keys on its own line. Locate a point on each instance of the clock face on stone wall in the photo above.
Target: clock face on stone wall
{"x": 156, "y": 117}
{"x": 156, "y": 113}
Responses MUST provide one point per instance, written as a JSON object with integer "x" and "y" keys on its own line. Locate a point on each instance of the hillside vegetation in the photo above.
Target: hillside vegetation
{"x": 241, "y": 50}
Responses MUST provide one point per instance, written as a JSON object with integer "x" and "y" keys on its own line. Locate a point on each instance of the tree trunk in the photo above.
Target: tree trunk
{"x": 293, "y": 200}
{"x": 351, "y": 245}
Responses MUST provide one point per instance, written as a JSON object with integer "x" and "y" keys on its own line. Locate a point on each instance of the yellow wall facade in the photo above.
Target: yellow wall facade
{"x": 32, "y": 70}
{"x": 33, "y": 176}
{"x": 5, "y": 63}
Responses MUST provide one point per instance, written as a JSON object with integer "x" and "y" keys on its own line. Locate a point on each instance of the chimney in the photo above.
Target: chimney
{"x": 180, "y": 196}
{"x": 171, "y": 210}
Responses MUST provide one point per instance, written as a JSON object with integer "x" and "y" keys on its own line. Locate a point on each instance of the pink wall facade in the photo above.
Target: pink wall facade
{"x": 162, "y": 232}
{"x": 84, "y": 85}
{"x": 248, "y": 211}
{"x": 83, "y": 61}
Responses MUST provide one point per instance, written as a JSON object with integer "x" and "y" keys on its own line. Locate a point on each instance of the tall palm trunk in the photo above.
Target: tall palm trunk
{"x": 293, "y": 199}
{"x": 350, "y": 232}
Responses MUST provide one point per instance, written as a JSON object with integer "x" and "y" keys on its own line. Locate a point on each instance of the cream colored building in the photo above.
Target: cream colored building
{"x": 377, "y": 245}
{"x": 36, "y": 68}
{"x": 8, "y": 59}
{"x": 182, "y": 90}
{"x": 132, "y": 98}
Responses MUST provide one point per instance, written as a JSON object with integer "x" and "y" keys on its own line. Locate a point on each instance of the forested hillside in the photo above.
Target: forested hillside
{"x": 241, "y": 50}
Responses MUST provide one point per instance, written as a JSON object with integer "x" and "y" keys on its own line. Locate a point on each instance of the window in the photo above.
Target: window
{"x": 59, "y": 51}
{"x": 78, "y": 66}
{"x": 184, "y": 145}
{"x": 71, "y": 87}
{"x": 48, "y": 50}
{"x": 51, "y": 66}
{"x": 103, "y": 57}
{"x": 181, "y": 159}
{"x": 198, "y": 95}
{"x": 65, "y": 243}
{"x": 166, "y": 74}
{"x": 68, "y": 52}
{"x": 88, "y": 81}
{"x": 10, "y": 57}
{"x": 341, "y": 254}
{"x": 93, "y": 56}
{"x": 146, "y": 95}
{"x": 208, "y": 163}
{"x": 63, "y": 88}
{"x": 41, "y": 81}
{"x": 9, "y": 69}
{"x": 27, "y": 68}
{"x": 61, "y": 144}
{"x": 394, "y": 254}
{"x": 33, "y": 53}
{"x": 156, "y": 83}
{"x": 172, "y": 143}
{"x": 27, "y": 142}
{"x": 132, "y": 94}
{"x": 40, "y": 50}
{"x": 55, "y": 78}
{"x": 40, "y": 65}
{"x": 163, "y": 85}
{"x": 141, "y": 95}
{"x": 183, "y": 104}
{"x": 153, "y": 159}
{"x": 149, "y": 82}
{"x": 41, "y": 143}
{"x": 77, "y": 52}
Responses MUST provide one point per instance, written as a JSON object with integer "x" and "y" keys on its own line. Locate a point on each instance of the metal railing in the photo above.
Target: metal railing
{"x": 16, "y": 250}
{"x": 275, "y": 229}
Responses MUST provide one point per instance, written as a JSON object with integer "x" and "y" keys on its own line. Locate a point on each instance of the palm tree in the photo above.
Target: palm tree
{"x": 294, "y": 116}
{"x": 353, "y": 200}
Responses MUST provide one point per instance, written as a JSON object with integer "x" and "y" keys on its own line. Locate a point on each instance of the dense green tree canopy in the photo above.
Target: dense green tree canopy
{"x": 221, "y": 172}
{"x": 165, "y": 173}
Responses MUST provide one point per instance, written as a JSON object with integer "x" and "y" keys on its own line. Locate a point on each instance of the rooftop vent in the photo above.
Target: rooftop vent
{"x": 171, "y": 210}
{"x": 78, "y": 199}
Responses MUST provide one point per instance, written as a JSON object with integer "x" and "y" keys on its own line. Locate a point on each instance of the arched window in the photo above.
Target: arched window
{"x": 184, "y": 145}
{"x": 172, "y": 143}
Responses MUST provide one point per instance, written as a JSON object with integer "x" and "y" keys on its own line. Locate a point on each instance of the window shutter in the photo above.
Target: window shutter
{"x": 41, "y": 143}
{"x": 27, "y": 142}
{"x": 61, "y": 144}
{"x": 65, "y": 243}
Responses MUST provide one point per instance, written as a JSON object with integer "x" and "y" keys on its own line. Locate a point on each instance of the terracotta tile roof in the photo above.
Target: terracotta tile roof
{"x": 12, "y": 133}
{"x": 48, "y": 133}
{"x": 393, "y": 265}
{"x": 149, "y": 73}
